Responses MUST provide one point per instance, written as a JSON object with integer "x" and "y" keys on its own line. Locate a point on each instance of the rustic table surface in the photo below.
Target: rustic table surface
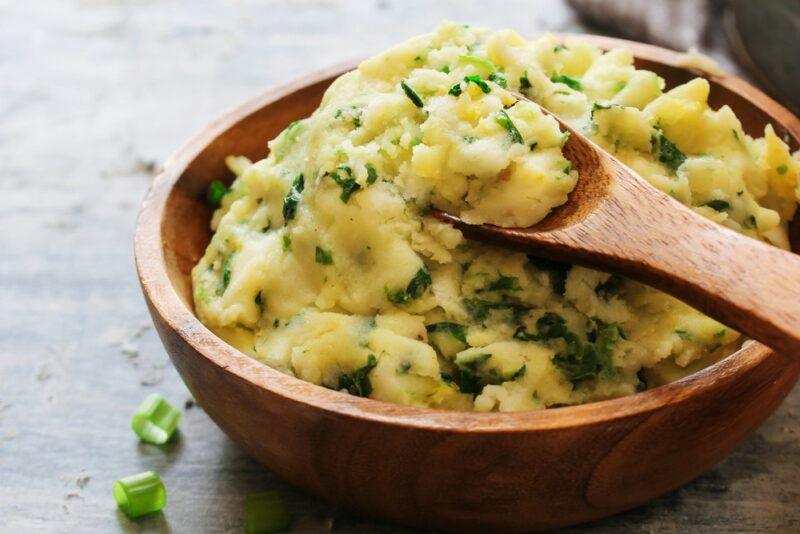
{"x": 93, "y": 95}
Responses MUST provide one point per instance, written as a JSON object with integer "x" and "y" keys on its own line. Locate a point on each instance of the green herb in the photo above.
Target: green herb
{"x": 499, "y": 79}
{"x": 610, "y": 287}
{"x": 739, "y": 193}
{"x": 404, "y": 368}
{"x": 458, "y": 331}
{"x": 524, "y": 82}
{"x": 418, "y": 58}
{"x": 752, "y": 221}
{"x": 718, "y": 205}
{"x": 445, "y": 69}
{"x": 415, "y": 288}
{"x": 292, "y": 199}
{"x": 479, "y": 309}
{"x": 226, "y": 272}
{"x": 411, "y": 94}
{"x": 620, "y": 85}
{"x": 714, "y": 347}
{"x": 259, "y": 300}
{"x": 323, "y": 257}
{"x": 478, "y": 62}
{"x": 668, "y": 153}
{"x": 455, "y": 90}
{"x": 348, "y": 185}
{"x": 599, "y": 107}
{"x": 372, "y": 174}
{"x": 736, "y": 135}
{"x": 559, "y": 47}
{"x": 578, "y": 360}
{"x": 155, "y": 420}
{"x": 782, "y": 169}
{"x": 276, "y": 323}
{"x": 556, "y": 271}
{"x": 265, "y": 513}
{"x": 533, "y": 146}
{"x": 469, "y": 139}
{"x": 683, "y": 334}
{"x": 505, "y": 283}
{"x": 289, "y": 137}
{"x": 215, "y": 192}
{"x": 358, "y": 383}
{"x": 567, "y": 167}
{"x": 477, "y": 81}
{"x": 504, "y": 120}
{"x": 721, "y": 332}
{"x": 569, "y": 81}
{"x": 467, "y": 378}
{"x": 286, "y": 244}
{"x": 140, "y": 494}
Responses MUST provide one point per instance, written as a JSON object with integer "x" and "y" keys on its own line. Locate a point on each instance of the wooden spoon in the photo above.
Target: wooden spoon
{"x": 615, "y": 221}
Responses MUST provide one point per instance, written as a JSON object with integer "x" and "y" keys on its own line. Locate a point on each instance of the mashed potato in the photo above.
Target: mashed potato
{"x": 326, "y": 265}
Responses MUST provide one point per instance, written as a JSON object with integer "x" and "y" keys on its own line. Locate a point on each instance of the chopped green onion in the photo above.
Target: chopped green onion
{"x": 372, "y": 174}
{"x": 445, "y": 69}
{"x": 478, "y": 62}
{"x": 782, "y": 169}
{"x": 504, "y": 120}
{"x": 718, "y": 205}
{"x": 411, "y": 94}
{"x": 323, "y": 257}
{"x": 155, "y": 420}
{"x": 286, "y": 243}
{"x": 140, "y": 494}
{"x": 499, "y": 79}
{"x": 524, "y": 82}
{"x": 265, "y": 513}
{"x": 559, "y": 47}
{"x": 292, "y": 199}
{"x": 668, "y": 153}
{"x": 216, "y": 191}
{"x": 289, "y": 137}
{"x": 477, "y": 81}
{"x": 569, "y": 81}
{"x": 455, "y": 90}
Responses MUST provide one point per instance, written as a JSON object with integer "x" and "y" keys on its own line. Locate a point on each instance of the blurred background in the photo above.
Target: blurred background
{"x": 95, "y": 95}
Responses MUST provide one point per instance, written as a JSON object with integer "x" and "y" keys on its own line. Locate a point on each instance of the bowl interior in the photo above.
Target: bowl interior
{"x": 185, "y": 228}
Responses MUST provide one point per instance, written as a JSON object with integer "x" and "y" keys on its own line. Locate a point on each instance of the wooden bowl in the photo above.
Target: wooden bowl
{"x": 434, "y": 468}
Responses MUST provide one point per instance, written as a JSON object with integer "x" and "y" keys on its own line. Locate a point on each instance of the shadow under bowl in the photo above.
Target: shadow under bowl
{"x": 434, "y": 468}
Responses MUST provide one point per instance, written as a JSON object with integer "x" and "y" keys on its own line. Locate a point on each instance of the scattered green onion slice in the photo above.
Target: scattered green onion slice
{"x": 411, "y": 94}
{"x": 504, "y": 120}
{"x": 216, "y": 191}
{"x": 478, "y": 62}
{"x": 155, "y": 420}
{"x": 265, "y": 513}
{"x": 140, "y": 494}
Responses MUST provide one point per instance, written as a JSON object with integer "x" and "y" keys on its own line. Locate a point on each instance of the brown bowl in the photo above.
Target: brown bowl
{"x": 435, "y": 468}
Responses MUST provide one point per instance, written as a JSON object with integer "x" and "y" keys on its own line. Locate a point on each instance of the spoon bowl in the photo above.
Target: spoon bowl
{"x": 434, "y": 468}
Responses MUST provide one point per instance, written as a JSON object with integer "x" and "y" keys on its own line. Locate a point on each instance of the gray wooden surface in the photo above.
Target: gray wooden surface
{"x": 93, "y": 95}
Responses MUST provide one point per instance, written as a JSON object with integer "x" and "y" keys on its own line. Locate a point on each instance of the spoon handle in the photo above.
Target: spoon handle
{"x": 643, "y": 234}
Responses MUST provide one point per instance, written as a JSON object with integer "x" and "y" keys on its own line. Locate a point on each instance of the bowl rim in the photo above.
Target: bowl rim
{"x": 164, "y": 300}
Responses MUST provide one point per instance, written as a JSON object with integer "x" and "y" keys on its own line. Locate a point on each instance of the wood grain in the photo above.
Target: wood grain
{"x": 429, "y": 468}
{"x": 615, "y": 221}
